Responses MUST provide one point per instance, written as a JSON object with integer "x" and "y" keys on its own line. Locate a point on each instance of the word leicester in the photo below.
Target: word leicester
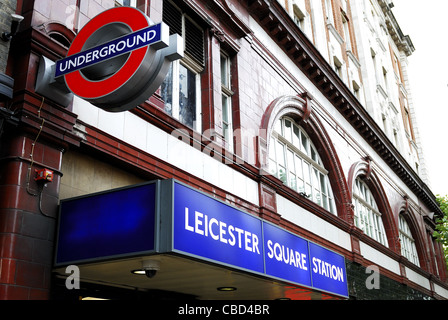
{"x": 125, "y": 44}
{"x": 219, "y": 230}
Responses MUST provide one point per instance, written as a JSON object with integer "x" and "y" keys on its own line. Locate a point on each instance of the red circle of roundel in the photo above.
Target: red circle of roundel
{"x": 89, "y": 89}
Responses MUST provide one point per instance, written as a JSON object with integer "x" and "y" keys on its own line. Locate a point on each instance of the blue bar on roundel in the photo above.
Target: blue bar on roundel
{"x": 111, "y": 49}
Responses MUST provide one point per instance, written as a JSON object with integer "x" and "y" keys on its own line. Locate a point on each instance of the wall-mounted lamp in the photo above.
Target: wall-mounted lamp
{"x": 16, "y": 19}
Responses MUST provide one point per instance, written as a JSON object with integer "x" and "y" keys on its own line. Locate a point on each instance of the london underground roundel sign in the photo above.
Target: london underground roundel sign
{"x": 119, "y": 59}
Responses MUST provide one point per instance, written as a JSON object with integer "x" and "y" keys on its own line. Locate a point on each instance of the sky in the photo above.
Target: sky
{"x": 426, "y": 24}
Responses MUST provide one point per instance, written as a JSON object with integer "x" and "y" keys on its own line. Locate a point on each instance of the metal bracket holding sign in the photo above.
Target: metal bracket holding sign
{"x": 117, "y": 61}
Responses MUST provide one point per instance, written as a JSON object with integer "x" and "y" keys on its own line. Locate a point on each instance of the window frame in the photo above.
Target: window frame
{"x": 407, "y": 241}
{"x": 133, "y": 3}
{"x": 192, "y": 66}
{"x": 315, "y": 180}
{"x": 176, "y": 88}
{"x": 367, "y": 216}
{"x": 226, "y": 94}
{"x": 301, "y": 16}
{"x": 346, "y": 28}
{"x": 329, "y": 12}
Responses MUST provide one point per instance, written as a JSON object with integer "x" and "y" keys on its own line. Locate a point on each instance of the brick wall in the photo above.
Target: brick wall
{"x": 388, "y": 288}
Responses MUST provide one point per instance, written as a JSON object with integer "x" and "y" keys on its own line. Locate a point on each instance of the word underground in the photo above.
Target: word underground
{"x": 219, "y": 230}
{"x": 328, "y": 270}
{"x": 125, "y": 44}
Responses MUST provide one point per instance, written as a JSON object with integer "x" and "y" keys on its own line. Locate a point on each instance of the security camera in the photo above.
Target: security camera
{"x": 151, "y": 267}
{"x": 15, "y": 22}
{"x": 150, "y": 273}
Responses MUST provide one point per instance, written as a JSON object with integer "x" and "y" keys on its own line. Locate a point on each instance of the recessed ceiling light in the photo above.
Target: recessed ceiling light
{"x": 226, "y": 289}
{"x": 138, "y": 271}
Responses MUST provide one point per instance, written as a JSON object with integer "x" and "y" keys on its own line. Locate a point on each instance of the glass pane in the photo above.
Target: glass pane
{"x": 292, "y": 172}
{"x": 224, "y": 73}
{"x": 317, "y": 197}
{"x": 287, "y": 133}
{"x": 273, "y": 168}
{"x": 316, "y": 179}
{"x": 308, "y": 189}
{"x": 166, "y": 91}
{"x": 373, "y": 202}
{"x": 225, "y": 131}
{"x": 375, "y": 224}
{"x": 272, "y": 158}
{"x": 280, "y": 148}
{"x": 291, "y": 165}
{"x": 363, "y": 192}
{"x": 367, "y": 223}
{"x": 225, "y": 117}
{"x": 306, "y": 172}
{"x": 299, "y": 170}
{"x": 296, "y": 136}
{"x": 187, "y": 96}
{"x": 299, "y": 174}
{"x": 313, "y": 154}
{"x": 332, "y": 205}
{"x": 282, "y": 174}
{"x": 325, "y": 201}
{"x": 292, "y": 181}
{"x": 356, "y": 187}
{"x": 323, "y": 185}
{"x": 304, "y": 140}
{"x": 356, "y": 212}
{"x": 225, "y": 107}
{"x": 300, "y": 186}
{"x": 127, "y": 3}
{"x": 272, "y": 149}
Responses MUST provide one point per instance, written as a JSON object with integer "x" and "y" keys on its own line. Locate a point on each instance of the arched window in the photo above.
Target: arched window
{"x": 294, "y": 160}
{"x": 58, "y": 32}
{"x": 408, "y": 248}
{"x": 367, "y": 216}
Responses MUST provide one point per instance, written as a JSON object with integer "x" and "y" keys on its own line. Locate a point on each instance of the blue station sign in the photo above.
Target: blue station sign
{"x": 205, "y": 227}
{"x": 328, "y": 270}
{"x": 107, "y": 225}
{"x": 170, "y": 217}
{"x": 286, "y": 255}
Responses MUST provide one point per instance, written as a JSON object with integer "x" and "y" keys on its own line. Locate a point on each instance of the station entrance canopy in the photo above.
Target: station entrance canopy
{"x": 192, "y": 236}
